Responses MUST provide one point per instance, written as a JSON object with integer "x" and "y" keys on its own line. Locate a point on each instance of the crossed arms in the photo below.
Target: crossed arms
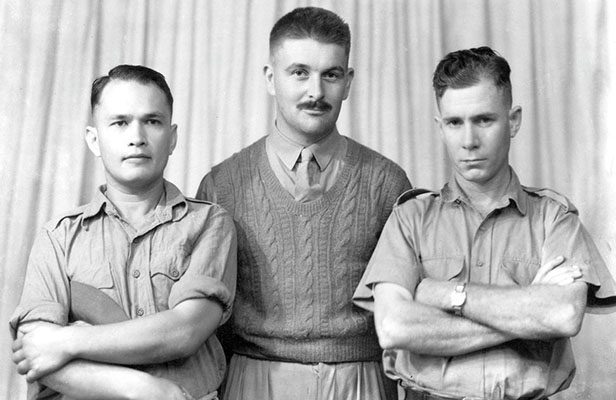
{"x": 82, "y": 361}
{"x": 552, "y": 306}
{"x": 94, "y": 362}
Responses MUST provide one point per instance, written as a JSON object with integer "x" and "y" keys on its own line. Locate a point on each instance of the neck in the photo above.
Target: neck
{"x": 298, "y": 138}
{"x": 486, "y": 196}
{"x": 135, "y": 205}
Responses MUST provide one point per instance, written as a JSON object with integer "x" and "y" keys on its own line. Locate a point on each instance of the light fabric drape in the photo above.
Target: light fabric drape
{"x": 562, "y": 53}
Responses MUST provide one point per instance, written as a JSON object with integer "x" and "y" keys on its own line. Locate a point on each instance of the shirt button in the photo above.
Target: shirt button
{"x": 136, "y": 274}
{"x": 480, "y": 263}
{"x": 140, "y": 312}
{"x": 175, "y": 273}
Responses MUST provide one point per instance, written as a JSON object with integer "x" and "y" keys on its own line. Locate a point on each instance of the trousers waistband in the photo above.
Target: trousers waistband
{"x": 417, "y": 394}
{"x": 414, "y": 394}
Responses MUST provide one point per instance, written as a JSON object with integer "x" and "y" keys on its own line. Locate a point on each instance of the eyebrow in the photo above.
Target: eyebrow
{"x": 130, "y": 116}
{"x": 472, "y": 117}
{"x": 295, "y": 66}
{"x": 307, "y": 67}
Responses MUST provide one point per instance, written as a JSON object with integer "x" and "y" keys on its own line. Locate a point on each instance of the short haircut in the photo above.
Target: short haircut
{"x": 137, "y": 73}
{"x": 465, "y": 68}
{"x": 314, "y": 23}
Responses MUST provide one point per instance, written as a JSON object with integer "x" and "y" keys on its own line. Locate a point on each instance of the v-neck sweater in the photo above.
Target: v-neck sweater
{"x": 299, "y": 263}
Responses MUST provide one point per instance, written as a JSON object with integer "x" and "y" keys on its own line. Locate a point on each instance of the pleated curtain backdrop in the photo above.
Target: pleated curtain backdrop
{"x": 562, "y": 53}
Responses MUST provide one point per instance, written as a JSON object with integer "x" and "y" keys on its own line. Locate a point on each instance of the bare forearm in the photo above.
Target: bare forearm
{"x": 88, "y": 380}
{"x": 156, "y": 338}
{"x": 403, "y": 323}
{"x": 531, "y": 312}
{"x": 433, "y": 332}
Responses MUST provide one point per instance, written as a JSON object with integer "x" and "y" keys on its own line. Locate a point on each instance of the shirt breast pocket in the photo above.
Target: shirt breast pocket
{"x": 98, "y": 276}
{"x": 517, "y": 271}
{"x": 448, "y": 268}
{"x": 95, "y": 296}
{"x": 167, "y": 268}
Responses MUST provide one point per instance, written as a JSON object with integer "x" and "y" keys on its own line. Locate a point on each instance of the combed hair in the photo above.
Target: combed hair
{"x": 137, "y": 73}
{"x": 311, "y": 22}
{"x": 465, "y": 68}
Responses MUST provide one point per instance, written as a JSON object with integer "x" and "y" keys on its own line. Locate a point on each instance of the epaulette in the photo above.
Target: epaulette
{"x": 559, "y": 198}
{"x": 413, "y": 193}
{"x": 55, "y": 220}
{"x": 194, "y": 200}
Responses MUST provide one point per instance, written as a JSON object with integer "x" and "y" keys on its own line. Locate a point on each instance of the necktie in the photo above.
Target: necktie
{"x": 306, "y": 189}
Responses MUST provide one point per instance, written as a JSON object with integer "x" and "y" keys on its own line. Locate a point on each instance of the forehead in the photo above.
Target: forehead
{"x": 132, "y": 97}
{"x": 308, "y": 51}
{"x": 484, "y": 97}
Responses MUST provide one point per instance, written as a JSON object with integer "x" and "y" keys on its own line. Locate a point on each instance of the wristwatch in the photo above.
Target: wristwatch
{"x": 458, "y": 298}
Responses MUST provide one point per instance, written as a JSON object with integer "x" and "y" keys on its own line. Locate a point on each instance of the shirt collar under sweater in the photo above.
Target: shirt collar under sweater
{"x": 332, "y": 146}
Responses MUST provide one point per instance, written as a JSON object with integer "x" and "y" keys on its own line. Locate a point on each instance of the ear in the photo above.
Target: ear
{"x": 91, "y": 137}
{"x": 349, "y": 78}
{"x": 515, "y": 120}
{"x": 174, "y": 138}
{"x": 439, "y": 124}
{"x": 268, "y": 72}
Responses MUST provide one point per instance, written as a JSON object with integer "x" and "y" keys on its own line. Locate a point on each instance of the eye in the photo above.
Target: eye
{"x": 332, "y": 76}
{"x": 485, "y": 121}
{"x": 300, "y": 73}
{"x": 153, "y": 122}
{"x": 454, "y": 123}
{"x": 119, "y": 123}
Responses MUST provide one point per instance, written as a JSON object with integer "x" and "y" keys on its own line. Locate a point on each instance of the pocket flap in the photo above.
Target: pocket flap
{"x": 443, "y": 268}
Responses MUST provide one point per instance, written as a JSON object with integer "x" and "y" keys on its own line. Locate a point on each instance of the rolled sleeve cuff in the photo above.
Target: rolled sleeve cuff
{"x": 364, "y": 295}
{"x": 54, "y": 313}
{"x": 196, "y": 287}
{"x": 602, "y": 291}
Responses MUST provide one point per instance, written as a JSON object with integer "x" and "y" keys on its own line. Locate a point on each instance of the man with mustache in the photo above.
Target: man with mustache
{"x": 477, "y": 289}
{"x": 309, "y": 205}
{"x": 154, "y": 272}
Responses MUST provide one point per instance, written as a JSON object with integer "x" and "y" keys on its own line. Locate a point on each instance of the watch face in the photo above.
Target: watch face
{"x": 457, "y": 299}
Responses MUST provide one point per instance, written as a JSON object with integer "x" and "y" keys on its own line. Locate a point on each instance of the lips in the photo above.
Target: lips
{"x": 473, "y": 161}
{"x": 137, "y": 157}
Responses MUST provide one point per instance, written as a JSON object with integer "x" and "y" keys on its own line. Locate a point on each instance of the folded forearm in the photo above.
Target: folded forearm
{"x": 88, "y": 380}
{"x": 403, "y": 323}
{"x": 160, "y": 337}
{"x": 532, "y": 312}
{"x": 432, "y": 331}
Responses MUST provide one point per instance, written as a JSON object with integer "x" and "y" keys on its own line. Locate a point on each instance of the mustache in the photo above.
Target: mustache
{"x": 318, "y": 105}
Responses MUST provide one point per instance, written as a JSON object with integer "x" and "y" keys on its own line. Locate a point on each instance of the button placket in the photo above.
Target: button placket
{"x": 481, "y": 250}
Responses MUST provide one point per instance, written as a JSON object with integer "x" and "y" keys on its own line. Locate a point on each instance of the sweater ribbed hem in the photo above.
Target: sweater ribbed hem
{"x": 324, "y": 350}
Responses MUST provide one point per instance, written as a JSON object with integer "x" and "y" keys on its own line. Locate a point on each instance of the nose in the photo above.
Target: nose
{"x": 137, "y": 134}
{"x": 470, "y": 140}
{"x": 315, "y": 88}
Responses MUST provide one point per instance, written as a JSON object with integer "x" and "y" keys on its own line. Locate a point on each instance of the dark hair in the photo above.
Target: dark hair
{"x": 465, "y": 68}
{"x": 311, "y": 22}
{"x": 137, "y": 73}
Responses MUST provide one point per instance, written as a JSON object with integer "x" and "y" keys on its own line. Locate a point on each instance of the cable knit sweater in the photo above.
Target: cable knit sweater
{"x": 299, "y": 263}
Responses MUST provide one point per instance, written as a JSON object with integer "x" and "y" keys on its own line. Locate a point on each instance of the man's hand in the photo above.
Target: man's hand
{"x": 549, "y": 274}
{"x": 40, "y": 351}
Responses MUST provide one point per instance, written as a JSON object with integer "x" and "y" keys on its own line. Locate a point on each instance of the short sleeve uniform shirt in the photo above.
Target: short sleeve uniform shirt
{"x": 186, "y": 249}
{"x": 441, "y": 236}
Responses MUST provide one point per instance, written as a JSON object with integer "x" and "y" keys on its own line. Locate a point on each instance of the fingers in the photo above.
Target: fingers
{"x": 563, "y": 275}
{"x": 18, "y": 356}
{"x": 17, "y": 345}
{"x": 546, "y": 268}
{"x": 32, "y": 376}
{"x": 23, "y": 367}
